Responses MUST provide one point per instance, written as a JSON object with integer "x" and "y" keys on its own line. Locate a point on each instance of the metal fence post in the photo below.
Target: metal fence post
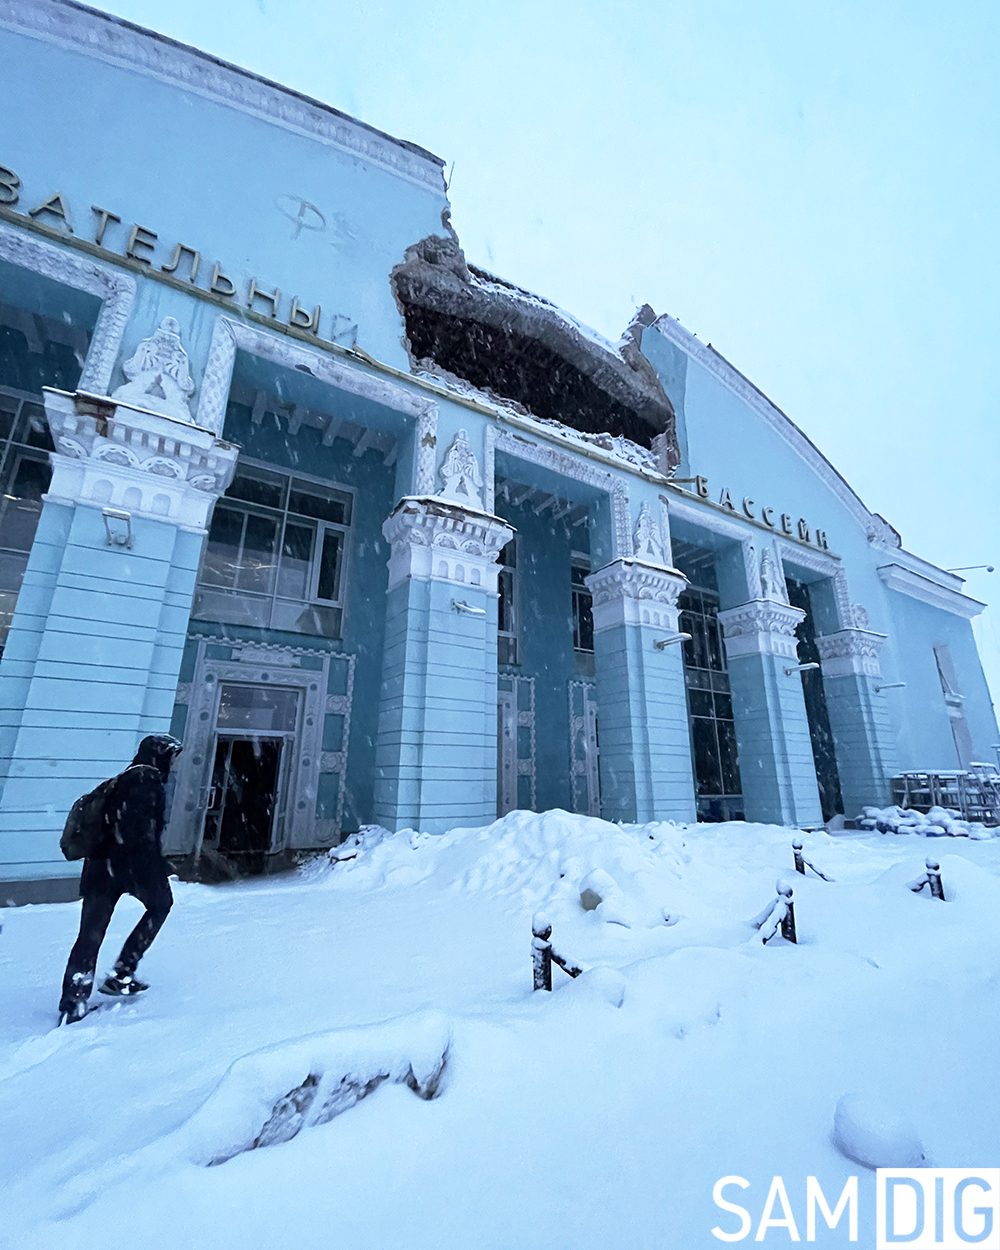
{"x": 541, "y": 952}
{"x": 788, "y": 919}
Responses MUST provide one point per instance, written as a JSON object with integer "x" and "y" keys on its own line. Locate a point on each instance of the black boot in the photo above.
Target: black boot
{"x": 122, "y": 985}
{"x": 72, "y": 1011}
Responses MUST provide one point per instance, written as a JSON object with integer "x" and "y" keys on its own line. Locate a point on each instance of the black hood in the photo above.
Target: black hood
{"x": 158, "y": 750}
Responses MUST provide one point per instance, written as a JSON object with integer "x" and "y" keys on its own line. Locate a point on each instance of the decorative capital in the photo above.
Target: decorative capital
{"x": 432, "y": 538}
{"x": 159, "y": 377}
{"x": 761, "y": 627}
{"x": 633, "y": 592}
{"x": 851, "y": 652}
{"x": 111, "y": 454}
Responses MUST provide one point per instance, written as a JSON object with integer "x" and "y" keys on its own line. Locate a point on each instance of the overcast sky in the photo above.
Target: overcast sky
{"x": 811, "y": 187}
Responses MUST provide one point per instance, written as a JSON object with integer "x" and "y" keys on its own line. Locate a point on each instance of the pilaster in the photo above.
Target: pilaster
{"x": 435, "y": 756}
{"x": 93, "y": 655}
{"x": 859, "y": 719}
{"x": 645, "y": 753}
{"x": 772, "y": 729}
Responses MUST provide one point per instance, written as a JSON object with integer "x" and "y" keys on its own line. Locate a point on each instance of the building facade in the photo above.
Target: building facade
{"x": 380, "y": 536}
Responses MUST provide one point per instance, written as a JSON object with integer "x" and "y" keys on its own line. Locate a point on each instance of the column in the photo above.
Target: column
{"x": 645, "y": 747}
{"x": 859, "y": 719}
{"x": 436, "y": 754}
{"x": 92, "y": 658}
{"x": 772, "y": 730}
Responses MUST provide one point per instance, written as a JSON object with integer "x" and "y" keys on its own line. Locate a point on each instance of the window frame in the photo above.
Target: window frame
{"x": 14, "y": 449}
{"x": 513, "y": 635}
{"x": 580, "y": 560}
{"x": 284, "y": 515}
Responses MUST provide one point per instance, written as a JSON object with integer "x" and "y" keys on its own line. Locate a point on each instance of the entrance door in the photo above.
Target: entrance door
{"x": 243, "y": 799}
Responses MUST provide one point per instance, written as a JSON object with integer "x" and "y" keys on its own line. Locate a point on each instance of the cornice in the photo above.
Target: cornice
{"x": 906, "y": 582}
{"x": 118, "y": 42}
{"x": 875, "y": 527}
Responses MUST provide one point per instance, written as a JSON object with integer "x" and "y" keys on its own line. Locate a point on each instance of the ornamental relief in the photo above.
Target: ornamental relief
{"x": 460, "y": 475}
{"x": 159, "y": 374}
{"x": 647, "y": 539}
{"x": 125, "y": 458}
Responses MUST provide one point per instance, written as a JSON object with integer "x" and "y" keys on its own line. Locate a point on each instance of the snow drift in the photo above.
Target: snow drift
{"x": 270, "y": 1095}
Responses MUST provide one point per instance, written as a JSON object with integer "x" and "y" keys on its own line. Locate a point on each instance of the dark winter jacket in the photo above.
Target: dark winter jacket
{"x": 132, "y": 852}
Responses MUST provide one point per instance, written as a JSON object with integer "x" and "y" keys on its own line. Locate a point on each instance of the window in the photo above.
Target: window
{"x": 710, "y": 709}
{"x": 276, "y": 553}
{"x": 507, "y": 606}
{"x": 954, "y": 703}
{"x": 583, "y": 602}
{"x": 24, "y": 478}
{"x": 814, "y": 692}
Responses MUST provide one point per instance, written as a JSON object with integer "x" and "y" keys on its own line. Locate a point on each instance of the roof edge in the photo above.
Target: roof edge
{"x": 877, "y": 529}
{"x": 138, "y": 48}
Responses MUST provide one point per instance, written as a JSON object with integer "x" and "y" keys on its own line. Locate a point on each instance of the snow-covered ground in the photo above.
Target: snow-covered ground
{"x": 561, "y": 1120}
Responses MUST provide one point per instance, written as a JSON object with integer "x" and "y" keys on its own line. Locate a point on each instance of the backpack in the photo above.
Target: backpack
{"x": 86, "y": 824}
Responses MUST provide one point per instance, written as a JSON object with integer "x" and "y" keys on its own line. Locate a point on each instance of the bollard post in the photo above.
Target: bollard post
{"x": 800, "y": 863}
{"x": 934, "y": 879}
{"x": 541, "y": 952}
{"x": 788, "y": 919}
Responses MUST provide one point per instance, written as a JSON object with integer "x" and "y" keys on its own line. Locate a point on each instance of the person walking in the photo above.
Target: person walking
{"x": 129, "y": 860}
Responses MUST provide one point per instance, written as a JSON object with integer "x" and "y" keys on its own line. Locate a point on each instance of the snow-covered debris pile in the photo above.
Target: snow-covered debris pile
{"x": 939, "y": 822}
{"x": 628, "y": 875}
{"x": 270, "y": 1095}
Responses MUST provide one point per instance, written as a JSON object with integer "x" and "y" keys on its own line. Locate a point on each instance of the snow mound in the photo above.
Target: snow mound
{"x": 602, "y": 984}
{"x": 270, "y": 1095}
{"x": 874, "y": 1134}
{"x": 533, "y": 859}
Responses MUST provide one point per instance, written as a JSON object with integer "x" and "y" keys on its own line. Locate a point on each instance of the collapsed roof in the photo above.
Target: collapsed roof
{"x": 523, "y": 350}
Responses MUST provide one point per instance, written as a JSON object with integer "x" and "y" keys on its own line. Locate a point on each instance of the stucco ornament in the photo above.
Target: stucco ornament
{"x": 647, "y": 540}
{"x": 772, "y": 585}
{"x": 460, "y": 473}
{"x": 158, "y": 373}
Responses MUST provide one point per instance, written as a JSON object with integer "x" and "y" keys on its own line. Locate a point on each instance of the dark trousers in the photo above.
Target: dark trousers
{"x": 98, "y": 906}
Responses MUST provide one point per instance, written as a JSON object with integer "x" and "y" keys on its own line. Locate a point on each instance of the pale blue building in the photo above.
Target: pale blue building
{"x": 382, "y": 537}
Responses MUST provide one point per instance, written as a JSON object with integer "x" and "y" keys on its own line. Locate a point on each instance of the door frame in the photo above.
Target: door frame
{"x": 585, "y": 773}
{"x": 250, "y": 665}
{"x": 512, "y": 692}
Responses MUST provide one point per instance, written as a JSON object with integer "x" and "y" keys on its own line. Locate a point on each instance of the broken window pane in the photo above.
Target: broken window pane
{"x": 296, "y": 559}
{"x": 256, "y": 571}
{"x": 329, "y": 566}
{"x": 223, "y": 548}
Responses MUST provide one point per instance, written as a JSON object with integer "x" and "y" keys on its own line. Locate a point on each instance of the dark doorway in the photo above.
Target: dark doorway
{"x": 243, "y": 800}
{"x": 824, "y": 753}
